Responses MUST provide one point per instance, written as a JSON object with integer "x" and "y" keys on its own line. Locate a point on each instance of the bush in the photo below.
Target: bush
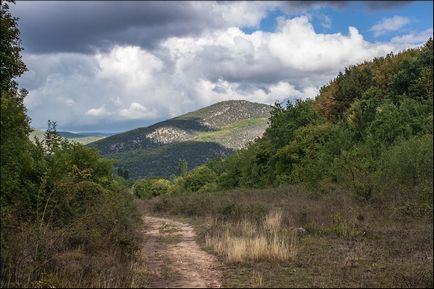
{"x": 198, "y": 178}
{"x": 407, "y": 167}
{"x": 149, "y": 188}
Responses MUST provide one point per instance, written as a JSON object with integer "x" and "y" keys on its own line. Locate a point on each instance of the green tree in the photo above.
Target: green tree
{"x": 53, "y": 141}
{"x": 182, "y": 168}
{"x": 11, "y": 64}
{"x": 18, "y": 177}
{"x": 199, "y": 177}
{"x": 126, "y": 174}
{"x": 149, "y": 188}
{"x": 285, "y": 120}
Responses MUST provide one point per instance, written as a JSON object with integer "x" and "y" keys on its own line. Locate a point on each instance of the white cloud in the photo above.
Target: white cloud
{"x": 412, "y": 39}
{"x": 327, "y": 22}
{"x": 98, "y": 112}
{"x": 239, "y": 13}
{"x": 128, "y": 65}
{"x": 298, "y": 46}
{"x": 70, "y": 102}
{"x": 136, "y": 111}
{"x": 129, "y": 83}
{"x": 389, "y": 24}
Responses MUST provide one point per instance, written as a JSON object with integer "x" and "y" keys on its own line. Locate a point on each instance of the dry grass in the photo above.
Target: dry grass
{"x": 257, "y": 280}
{"x": 340, "y": 242}
{"x": 273, "y": 220}
{"x": 97, "y": 249}
{"x": 247, "y": 241}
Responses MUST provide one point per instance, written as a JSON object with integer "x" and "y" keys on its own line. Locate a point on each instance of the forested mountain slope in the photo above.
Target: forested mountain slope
{"x": 200, "y": 136}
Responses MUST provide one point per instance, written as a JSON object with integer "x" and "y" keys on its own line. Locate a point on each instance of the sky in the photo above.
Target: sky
{"x": 112, "y": 66}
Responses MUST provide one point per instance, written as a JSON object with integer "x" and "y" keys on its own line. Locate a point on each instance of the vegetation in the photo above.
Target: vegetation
{"x": 338, "y": 191}
{"x": 82, "y": 138}
{"x": 369, "y": 130}
{"x": 297, "y": 237}
{"x": 66, "y": 221}
{"x": 198, "y": 137}
{"x": 340, "y": 185}
{"x": 163, "y": 161}
{"x": 237, "y": 134}
{"x": 148, "y": 188}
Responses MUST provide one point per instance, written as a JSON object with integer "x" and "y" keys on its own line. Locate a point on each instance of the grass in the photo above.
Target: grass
{"x": 87, "y": 139}
{"x": 168, "y": 234}
{"x": 234, "y": 134}
{"x": 293, "y": 237}
{"x": 96, "y": 249}
{"x": 246, "y": 240}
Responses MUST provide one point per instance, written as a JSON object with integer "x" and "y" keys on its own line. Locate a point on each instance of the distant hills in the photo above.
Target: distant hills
{"x": 208, "y": 133}
{"x": 82, "y": 137}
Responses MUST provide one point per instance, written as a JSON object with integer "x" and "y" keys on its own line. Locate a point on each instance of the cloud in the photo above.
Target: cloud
{"x": 70, "y": 102}
{"x": 384, "y": 5}
{"x": 129, "y": 85}
{"x": 87, "y": 27}
{"x": 91, "y": 26}
{"x": 326, "y": 22}
{"x": 137, "y": 111}
{"x": 129, "y": 64}
{"x": 412, "y": 39}
{"x": 98, "y": 112}
{"x": 389, "y": 24}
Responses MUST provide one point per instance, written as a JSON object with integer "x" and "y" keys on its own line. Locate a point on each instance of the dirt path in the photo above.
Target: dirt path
{"x": 172, "y": 258}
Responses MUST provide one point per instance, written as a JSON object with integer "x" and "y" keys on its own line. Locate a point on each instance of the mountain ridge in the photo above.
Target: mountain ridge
{"x": 214, "y": 131}
{"x": 80, "y": 137}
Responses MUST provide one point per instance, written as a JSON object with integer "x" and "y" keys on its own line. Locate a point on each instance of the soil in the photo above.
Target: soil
{"x": 172, "y": 258}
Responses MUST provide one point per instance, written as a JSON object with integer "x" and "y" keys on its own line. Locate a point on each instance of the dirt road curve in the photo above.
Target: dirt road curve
{"x": 174, "y": 259}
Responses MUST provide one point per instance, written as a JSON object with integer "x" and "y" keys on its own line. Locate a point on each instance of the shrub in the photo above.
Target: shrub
{"x": 149, "y": 188}
{"x": 198, "y": 178}
{"x": 407, "y": 167}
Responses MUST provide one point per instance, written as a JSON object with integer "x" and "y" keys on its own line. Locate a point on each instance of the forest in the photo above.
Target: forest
{"x": 369, "y": 130}
{"x": 337, "y": 193}
{"x": 64, "y": 215}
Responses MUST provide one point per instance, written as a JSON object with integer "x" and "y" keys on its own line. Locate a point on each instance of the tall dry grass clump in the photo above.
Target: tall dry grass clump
{"x": 273, "y": 220}
{"x": 246, "y": 240}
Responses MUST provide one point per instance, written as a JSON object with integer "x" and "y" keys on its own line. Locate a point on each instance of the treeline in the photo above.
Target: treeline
{"x": 66, "y": 220}
{"x": 369, "y": 130}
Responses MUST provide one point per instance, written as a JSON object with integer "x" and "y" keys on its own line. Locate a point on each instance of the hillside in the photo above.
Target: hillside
{"x": 211, "y": 132}
{"x": 341, "y": 184}
{"x": 83, "y": 138}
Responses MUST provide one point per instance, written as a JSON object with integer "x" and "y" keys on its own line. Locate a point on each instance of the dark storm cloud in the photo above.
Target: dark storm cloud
{"x": 296, "y": 6}
{"x": 383, "y": 5}
{"x": 86, "y": 26}
{"x": 307, "y": 4}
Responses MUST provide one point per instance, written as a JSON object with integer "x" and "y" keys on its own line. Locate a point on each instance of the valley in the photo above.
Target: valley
{"x": 82, "y": 138}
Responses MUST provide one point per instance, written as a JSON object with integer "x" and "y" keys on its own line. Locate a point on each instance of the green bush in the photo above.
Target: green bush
{"x": 149, "y": 188}
{"x": 405, "y": 167}
{"x": 198, "y": 178}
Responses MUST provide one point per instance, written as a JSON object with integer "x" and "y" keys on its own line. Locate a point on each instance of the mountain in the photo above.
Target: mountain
{"x": 211, "y": 132}
{"x": 82, "y": 137}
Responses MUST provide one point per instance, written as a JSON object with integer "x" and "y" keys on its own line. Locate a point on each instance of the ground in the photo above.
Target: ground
{"x": 171, "y": 257}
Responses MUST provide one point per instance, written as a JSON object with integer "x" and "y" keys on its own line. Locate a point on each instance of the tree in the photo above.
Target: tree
{"x": 126, "y": 174}
{"x": 182, "y": 168}
{"x": 120, "y": 172}
{"x": 11, "y": 64}
{"x": 199, "y": 177}
{"x": 17, "y": 165}
{"x": 52, "y": 139}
